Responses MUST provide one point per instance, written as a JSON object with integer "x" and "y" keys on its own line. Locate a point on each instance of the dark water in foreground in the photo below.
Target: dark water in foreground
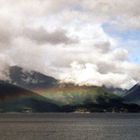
{"x": 70, "y": 126}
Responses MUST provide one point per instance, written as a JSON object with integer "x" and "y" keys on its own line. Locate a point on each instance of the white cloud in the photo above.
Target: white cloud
{"x": 66, "y": 39}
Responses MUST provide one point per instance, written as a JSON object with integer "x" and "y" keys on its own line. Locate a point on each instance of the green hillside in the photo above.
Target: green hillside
{"x": 71, "y": 98}
{"x": 78, "y": 95}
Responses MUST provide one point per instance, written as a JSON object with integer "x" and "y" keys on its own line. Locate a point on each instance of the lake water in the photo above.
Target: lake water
{"x": 56, "y": 126}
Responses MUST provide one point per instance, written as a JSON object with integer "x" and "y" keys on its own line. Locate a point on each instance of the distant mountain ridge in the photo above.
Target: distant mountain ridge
{"x": 36, "y": 80}
{"x": 30, "y": 79}
{"x": 133, "y": 95}
{"x": 117, "y": 91}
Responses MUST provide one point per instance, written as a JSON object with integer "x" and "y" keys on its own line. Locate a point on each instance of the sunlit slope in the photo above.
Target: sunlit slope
{"x": 78, "y": 95}
{"x": 16, "y": 99}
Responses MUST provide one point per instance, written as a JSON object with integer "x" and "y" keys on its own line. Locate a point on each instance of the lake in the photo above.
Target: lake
{"x": 68, "y": 126}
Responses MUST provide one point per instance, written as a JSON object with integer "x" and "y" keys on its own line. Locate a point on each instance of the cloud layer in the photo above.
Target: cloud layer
{"x": 67, "y": 40}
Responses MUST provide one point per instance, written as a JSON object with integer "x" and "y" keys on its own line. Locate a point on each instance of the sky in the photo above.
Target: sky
{"x": 87, "y": 42}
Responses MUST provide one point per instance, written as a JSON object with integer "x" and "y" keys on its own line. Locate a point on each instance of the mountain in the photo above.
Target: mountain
{"x": 117, "y": 91}
{"x": 61, "y": 94}
{"x": 30, "y": 79}
{"x": 17, "y": 99}
{"x": 70, "y": 94}
{"x": 34, "y": 80}
{"x": 72, "y": 98}
{"x": 133, "y": 95}
{"x": 52, "y": 96}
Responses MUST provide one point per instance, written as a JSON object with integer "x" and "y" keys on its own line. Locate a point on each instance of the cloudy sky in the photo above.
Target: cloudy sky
{"x": 94, "y": 42}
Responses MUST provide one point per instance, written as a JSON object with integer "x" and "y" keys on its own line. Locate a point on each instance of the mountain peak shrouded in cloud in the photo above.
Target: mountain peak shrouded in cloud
{"x": 68, "y": 40}
{"x": 30, "y": 79}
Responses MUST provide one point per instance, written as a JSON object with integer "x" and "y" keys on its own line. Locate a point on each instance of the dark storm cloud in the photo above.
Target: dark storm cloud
{"x": 103, "y": 47}
{"x": 41, "y": 36}
{"x": 6, "y": 34}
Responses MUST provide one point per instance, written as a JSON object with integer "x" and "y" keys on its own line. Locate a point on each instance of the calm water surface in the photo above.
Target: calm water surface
{"x": 70, "y": 126}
